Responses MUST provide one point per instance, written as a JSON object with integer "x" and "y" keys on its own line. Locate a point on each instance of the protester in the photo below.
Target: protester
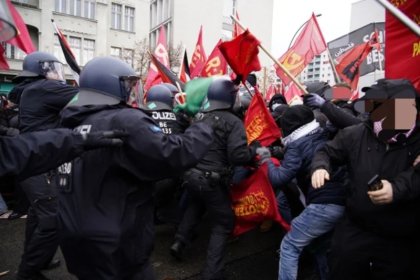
{"x": 375, "y": 240}
{"x": 106, "y": 196}
{"x": 207, "y": 183}
{"x": 43, "y": 94}
{"x": 302, "y": 137}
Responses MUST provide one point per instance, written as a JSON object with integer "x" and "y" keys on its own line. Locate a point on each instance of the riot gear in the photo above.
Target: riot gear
{"x": 108, "y": 76}
{"x": 221, "y": 94}
{"x": 159, "y": 98}
{"x": 41, "y": 64}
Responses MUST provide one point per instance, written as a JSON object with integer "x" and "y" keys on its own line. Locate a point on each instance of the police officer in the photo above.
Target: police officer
{"x": 106, "y": 196}
{"x": 207, "y": 183}
{"x": 41, "y": 99}
{"x": 159, "y": 105}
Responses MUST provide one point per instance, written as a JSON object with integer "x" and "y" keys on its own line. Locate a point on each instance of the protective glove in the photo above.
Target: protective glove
{"x": 102, "y": 139}
{"x": 253, "y": 146}
{"x": 313, "y": 100}
{"x": 277, "y": 152}
{"x": 264, "y": 154}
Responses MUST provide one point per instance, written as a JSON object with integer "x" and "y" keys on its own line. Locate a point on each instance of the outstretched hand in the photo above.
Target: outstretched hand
{"x": 101, "y": 139}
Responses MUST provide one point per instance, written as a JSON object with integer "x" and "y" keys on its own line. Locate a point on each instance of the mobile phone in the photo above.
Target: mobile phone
{"x": 374, "y": 183}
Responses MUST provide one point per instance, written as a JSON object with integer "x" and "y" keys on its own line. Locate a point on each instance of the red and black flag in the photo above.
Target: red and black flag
{"x": 184, "y": 71}
{"x": 68, "y": 53}
{"x": 165, "y": 73}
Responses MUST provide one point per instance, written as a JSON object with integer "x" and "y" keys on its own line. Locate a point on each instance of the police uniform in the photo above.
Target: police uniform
{"x": 106, "y": 196}
{"x": 39, "y": 107}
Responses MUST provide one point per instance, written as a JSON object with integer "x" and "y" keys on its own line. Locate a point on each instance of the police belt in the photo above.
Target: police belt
{"x": 207, "y": 174}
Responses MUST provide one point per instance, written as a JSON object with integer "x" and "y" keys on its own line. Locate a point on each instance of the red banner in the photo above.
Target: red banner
{"x": 3, "y": 62}
{"x": 161, "y": 53}
{"x": 293, "y": 94}
{"x": 241, "y": 54}
{"x": 402, "y": 52}
{"x": 259, "y": 123}
{"x": 216, "y": 64}
{"x": 22, "y": 40}
{"x": 199, "y": 57}
{"x": 309, "y": 43}
{"x": 253, "y": 201}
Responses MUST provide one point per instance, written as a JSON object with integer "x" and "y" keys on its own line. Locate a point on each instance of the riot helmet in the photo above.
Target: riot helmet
{"x": 221, "y": 94}
{"x": 41, "y": 64}
{"x": 108, "y": 80}
{"x": 159, "y": 98}
{"x": 171, "y": 87}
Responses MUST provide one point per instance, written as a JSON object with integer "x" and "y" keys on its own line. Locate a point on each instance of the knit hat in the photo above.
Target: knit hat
{"x": 295, "y": 117}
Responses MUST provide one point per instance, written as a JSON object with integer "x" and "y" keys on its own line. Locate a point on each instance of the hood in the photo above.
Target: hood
{"x": 73, "y": 116}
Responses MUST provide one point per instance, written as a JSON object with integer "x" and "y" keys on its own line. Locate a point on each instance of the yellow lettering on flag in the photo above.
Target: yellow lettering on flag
{"x": 256, "y": 127}
{"x": 253, "y": 203}
{"x": 416, "y": 49}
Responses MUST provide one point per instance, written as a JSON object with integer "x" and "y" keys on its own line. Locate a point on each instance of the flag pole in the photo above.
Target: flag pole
{"x": 336, "y": 76}
{"x": 299, "y": 85}
{"x": 401, "y": 16}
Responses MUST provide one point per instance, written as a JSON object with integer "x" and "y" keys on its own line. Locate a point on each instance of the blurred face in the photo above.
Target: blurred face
{"x": 397, "y": 114}
{"x": 53, "y": 70}
{"x": 131, "y": 86}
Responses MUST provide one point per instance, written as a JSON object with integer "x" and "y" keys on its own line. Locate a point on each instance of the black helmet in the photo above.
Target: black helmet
{"x": 221, "y": 94}
{"x": 107, "y": 80}
{"x": 159, "y": 97}
{"x": 171, "y": 87}
{"x": 41, "y": 64}
{"x": 318, "y": 87}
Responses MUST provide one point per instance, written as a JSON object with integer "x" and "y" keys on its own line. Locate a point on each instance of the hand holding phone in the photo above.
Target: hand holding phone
{"x": 374, "y": 183}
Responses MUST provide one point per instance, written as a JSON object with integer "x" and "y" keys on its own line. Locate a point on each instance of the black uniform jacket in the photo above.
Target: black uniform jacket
{"x": 366, "y": 155}
{"x": 106, "y": 193}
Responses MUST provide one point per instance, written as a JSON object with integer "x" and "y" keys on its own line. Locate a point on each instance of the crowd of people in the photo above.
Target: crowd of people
{"x": 99, "y": 168}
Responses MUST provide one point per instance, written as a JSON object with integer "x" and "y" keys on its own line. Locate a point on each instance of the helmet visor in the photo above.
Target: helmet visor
{"x": 131, "y": 86}
{"x": 52, "y": 70}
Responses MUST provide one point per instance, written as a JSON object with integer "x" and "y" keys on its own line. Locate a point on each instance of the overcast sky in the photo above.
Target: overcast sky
{"x": 290, "y": 15}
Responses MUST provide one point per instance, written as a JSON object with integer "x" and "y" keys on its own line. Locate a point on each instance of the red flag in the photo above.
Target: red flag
{"x": 349, "y": 62}
{"x": 308, "y": 44}
{"x": 161, "y": 53}
{"x": 241, "y": 54}
{"x": 199, "y": 57}
{"x": 237, "y": 30}
{"x": 216, "y": 63}
{"x": 253, "y": 201}
{"x": 270, "y": 92}
{"x": 184, "y": 71}
{"x": 68, "y": 53}
{"x": 402, "y": 52}
{"x": 259, "y": 123}
{"x": 293, "y": 94}
{"x": 22, "y": 40}
{"x": 3, "y": 62}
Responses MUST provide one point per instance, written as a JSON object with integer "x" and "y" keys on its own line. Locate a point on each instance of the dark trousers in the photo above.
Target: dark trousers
{"x": 360, "y": 254}
{"x": 213, "y": 196}
{"x": 41, "y": 240}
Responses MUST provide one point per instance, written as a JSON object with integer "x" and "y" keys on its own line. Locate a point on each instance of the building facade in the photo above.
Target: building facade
{"x": 92, "y": 28}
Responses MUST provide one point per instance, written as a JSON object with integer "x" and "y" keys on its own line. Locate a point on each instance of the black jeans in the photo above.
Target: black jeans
{"x": 360, "y": 254}
{"x": 213, "y": 196}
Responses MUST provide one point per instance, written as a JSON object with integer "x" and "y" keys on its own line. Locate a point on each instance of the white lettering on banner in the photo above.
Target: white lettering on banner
{"x": 374, "y": 56}
{"x": 344, "y": 49}
{"x": 65, "y": 168}
{"x": 368, "y": 37}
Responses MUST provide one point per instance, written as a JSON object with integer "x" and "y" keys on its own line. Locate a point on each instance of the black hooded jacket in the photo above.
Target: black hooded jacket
{"x": 365, "y": 155}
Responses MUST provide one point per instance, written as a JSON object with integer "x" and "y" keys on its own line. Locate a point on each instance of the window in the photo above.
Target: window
{"x": 128, "y": 56}
{"x": 61, "y": 6}
{"x": 13, "y": 52}
{"x": 116, "y": 52}
{"x": 76, "y": 7}
{"x": 80, "y": 8}
{"x": 116, "y": 16}
{"x": 75, "y": 45}
{"x": 89, "y": 9}
{"x": 129, "y": 19}
{"x": 88, "y": 50}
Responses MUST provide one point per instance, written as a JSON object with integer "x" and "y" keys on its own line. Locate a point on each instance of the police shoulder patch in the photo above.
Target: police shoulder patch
{"x": 155, "y": 128}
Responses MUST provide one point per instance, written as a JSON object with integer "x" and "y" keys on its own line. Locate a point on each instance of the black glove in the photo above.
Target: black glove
{"x": 253, "y": 146}
{"x": 313, "y": 100}
{"x": 101, "y": 139}
{"x": 277, "y": 152}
